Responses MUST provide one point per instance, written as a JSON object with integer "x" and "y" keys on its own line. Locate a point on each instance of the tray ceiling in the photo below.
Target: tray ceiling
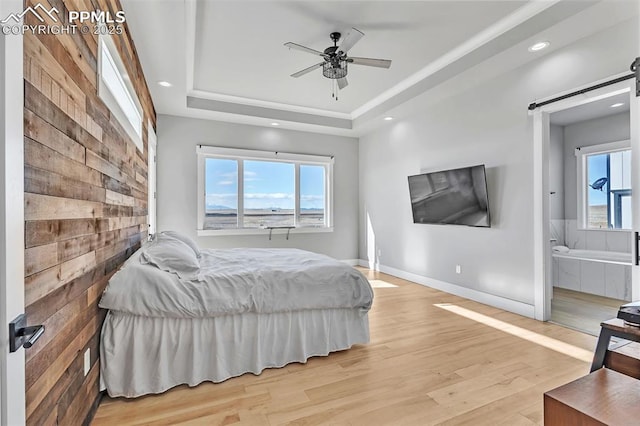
{"x": 226, "y": 59}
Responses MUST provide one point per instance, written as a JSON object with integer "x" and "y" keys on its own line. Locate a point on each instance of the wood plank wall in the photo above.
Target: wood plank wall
{"x": 85, "y": 209}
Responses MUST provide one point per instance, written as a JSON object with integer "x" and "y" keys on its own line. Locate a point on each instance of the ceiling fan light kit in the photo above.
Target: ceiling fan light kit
{"x": 335, "y": 58}
{"x": 334, "y": 71}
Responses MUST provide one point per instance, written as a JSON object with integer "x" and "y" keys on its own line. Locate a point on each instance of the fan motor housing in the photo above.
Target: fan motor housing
{"x": 331, "y": 50}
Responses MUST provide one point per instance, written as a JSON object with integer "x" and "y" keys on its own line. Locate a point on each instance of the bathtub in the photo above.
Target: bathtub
{"x": 604, "y": 273}
{"x": 614, "y": 257}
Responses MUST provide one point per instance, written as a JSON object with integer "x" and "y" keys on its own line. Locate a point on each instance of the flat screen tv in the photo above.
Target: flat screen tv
{"x": 457, "y": 196}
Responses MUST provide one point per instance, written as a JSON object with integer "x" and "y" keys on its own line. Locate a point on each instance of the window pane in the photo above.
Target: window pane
{"x": 221, "y": 188}
{"x": 268, "y": 194}
{"x": 113, "y": 80}
{"x": 609, "y": 190}
{"x": 598, "y": 185}
{"x": 620, "y": 192}
{"x": 312, "y": 192}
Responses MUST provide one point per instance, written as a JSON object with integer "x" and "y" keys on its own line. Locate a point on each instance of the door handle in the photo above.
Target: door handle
{"x": 636, "y": 237}
{"x": 21, "y": 335}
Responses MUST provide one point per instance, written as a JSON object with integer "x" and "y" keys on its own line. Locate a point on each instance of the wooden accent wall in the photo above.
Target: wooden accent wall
{"x": 85, "y": 209}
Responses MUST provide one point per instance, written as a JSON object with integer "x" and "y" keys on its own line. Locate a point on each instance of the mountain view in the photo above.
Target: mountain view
{"x": 269, "y": 194}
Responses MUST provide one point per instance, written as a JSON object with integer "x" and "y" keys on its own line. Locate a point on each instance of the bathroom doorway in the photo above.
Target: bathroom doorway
{"x": 586, "y": 214}
{"x": 590, "y": 212}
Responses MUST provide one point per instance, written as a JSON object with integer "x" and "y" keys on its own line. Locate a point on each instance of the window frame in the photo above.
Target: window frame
{"x": 123, "y": 80}
{"x": 240, "y": 155}
{"x": 581, "y": 154}
{"x": 152, "y": 179}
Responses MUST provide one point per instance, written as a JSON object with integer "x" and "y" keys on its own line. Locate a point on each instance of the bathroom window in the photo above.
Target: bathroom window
{"x": 604, "y": 186}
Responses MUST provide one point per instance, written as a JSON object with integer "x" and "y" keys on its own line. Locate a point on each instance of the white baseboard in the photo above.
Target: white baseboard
{"x": 514, "y": 306}
{"x": 351, "y": 262}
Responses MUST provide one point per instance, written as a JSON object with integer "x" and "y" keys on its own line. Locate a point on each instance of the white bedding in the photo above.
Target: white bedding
{"x": 236, "y": 281}
{"x": 244, "y": 311}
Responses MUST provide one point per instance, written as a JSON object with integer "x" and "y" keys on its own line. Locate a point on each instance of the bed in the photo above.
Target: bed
{"x": 181, "y": 315}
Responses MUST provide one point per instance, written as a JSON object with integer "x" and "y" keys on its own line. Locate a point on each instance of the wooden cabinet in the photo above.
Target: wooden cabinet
{"x": 625, "y": 359}
{"x": 604, "y": 397}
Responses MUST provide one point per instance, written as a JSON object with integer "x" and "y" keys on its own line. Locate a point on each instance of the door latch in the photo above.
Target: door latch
{"x": 21, "y": 335}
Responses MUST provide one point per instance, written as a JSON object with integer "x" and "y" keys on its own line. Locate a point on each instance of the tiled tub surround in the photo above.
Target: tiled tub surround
{"x": 595, "y": 277}
{"x": 604, "y": 240}
{"x": 598, "y": 276}
{"x": 557, "y": 232}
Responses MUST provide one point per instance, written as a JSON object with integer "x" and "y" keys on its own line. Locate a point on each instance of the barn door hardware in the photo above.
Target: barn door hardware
{"x": 21, "y": 335}
{"x": 635, "y": 67}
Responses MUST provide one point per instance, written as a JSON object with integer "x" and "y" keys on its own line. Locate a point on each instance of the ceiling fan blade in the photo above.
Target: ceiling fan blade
{"x": 307, "y": 70}
{"x": 352, "y": 37}
{"x": 342, "y": 83}
{"x": 370, "y": 62}
{"x": 302, "y": 48}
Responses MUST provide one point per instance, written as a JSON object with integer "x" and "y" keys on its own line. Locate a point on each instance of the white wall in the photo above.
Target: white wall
{"x": 556, "y": 173}
{"x": 479, "y": 117}
{"x": 586, "y": 133}
{"x": 177, "y": 140}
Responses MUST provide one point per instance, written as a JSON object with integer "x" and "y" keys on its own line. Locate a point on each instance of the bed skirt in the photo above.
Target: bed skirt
{"x": 142, "y": 355}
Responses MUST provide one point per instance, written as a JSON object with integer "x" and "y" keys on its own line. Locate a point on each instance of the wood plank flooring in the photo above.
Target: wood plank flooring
{"x": 582, "y": 311}
{"x": 434, "y": 358}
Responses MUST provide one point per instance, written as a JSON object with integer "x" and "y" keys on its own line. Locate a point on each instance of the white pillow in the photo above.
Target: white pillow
{"x": 171, "y": 255}
{"x": 185, "y": 239}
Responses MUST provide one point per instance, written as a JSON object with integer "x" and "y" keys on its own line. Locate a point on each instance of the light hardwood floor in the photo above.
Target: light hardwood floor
{"x": 433, "y": 358}
{"x": 582, "y": 311}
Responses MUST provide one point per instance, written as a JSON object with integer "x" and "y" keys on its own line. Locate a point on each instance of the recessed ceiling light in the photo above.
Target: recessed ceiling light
{"x": 165, "y": 84}
{"x": 539, "y": 46}
{"x": 619, "y": 104}
{"x": 275, "y": 124}
{"x": 388, "y": 118}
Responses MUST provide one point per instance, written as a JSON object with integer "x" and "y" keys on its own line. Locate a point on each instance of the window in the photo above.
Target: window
{"x": 604, "y": 186}
{"x": 244, "y": 191}
{"x": 269, "y": 194}
{"x": 221, "y": 193}
{"x": 116, "y": 90}
{"x": 312, "y": 195}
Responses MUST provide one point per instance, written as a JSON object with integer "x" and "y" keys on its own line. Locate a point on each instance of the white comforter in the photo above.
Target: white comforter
{"x": 236, "y": 281}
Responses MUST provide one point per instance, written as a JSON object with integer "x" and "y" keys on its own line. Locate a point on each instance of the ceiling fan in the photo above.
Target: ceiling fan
{"x": 335, "y": 57}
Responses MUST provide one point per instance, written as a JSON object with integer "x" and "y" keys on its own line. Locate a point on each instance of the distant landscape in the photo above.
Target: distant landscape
{"x": 224, "y": 218}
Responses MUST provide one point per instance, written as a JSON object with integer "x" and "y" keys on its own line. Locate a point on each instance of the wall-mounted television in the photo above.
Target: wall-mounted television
{"x": 457, "y": 196}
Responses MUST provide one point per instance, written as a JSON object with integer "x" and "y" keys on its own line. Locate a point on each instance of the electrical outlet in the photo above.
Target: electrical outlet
{"x": 87, "y": 361}
{"x": 458, "y": 269}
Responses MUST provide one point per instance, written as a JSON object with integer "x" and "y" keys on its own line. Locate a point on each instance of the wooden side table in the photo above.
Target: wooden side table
{"x": 604, "y": 397}
{"x": 612, "y": 328}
